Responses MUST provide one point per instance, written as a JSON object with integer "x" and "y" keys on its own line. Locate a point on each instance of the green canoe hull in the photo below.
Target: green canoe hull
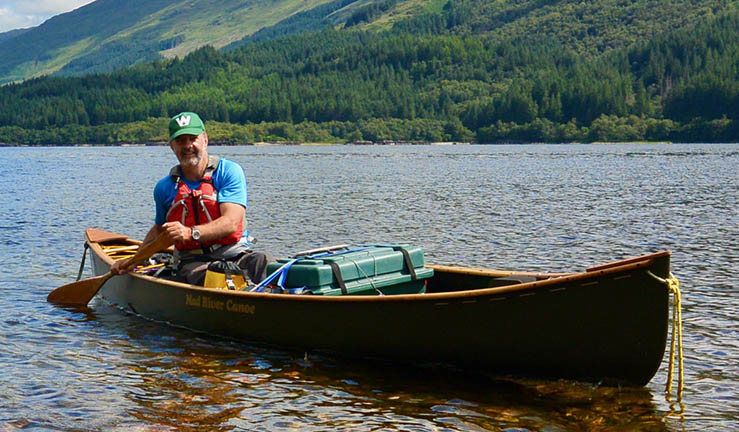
{"x": 606, "y": 325}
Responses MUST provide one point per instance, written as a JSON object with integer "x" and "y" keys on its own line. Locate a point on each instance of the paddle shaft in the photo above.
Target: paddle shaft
{"x": 81, "y": 292}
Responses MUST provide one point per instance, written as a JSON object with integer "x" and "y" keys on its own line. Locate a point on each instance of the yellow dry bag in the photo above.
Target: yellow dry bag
{"x": 224, "y": 275}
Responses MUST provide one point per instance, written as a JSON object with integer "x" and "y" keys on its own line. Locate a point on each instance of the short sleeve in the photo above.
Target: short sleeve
{"x": 230, "y": 181}
{"x": 164, "y": 193}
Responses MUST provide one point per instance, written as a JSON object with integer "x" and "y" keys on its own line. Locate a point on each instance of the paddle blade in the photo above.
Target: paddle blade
{"x": 78, "y": 293}
{"x": 81, "y": 292}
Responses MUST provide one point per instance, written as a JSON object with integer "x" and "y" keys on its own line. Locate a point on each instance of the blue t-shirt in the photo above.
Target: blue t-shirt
{"x": 228, "y": 179}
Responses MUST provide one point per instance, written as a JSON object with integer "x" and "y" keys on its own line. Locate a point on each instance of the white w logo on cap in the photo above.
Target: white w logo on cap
{"x": 183, "y": 121}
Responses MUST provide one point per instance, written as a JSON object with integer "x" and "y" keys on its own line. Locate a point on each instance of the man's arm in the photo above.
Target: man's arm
{"x": 231, "y": 215}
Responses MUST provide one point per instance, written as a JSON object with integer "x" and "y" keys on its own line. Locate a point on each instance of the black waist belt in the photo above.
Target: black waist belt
{"x": 191, "y": 253}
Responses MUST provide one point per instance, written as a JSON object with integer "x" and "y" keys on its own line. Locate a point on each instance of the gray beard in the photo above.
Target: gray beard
{"x": 191, "y": 161}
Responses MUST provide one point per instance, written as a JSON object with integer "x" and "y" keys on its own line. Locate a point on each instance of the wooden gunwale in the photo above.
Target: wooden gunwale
{"x": 617, "y": 267}
{"x": 494, "y": 273}
{"x": 627, "y": 261}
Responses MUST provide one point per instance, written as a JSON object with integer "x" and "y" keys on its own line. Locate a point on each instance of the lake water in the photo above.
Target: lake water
{"x": 532, "y": 208}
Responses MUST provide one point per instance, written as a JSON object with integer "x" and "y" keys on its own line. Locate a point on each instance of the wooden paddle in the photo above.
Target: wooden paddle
{"x": 81, "y": 292}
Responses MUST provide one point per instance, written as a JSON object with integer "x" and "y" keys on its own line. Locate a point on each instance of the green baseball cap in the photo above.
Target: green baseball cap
{"x": 185, "y": 123}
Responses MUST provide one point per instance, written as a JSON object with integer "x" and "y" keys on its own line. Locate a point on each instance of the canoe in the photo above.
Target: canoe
{"x": 607, "y": 324}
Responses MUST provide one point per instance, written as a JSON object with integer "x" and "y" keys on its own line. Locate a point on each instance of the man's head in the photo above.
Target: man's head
{"x": 188, "y": 139}
{"x": 185, "y": 123}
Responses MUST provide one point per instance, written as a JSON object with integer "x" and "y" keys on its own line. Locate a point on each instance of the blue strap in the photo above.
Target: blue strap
{"x": 281, "y": 273}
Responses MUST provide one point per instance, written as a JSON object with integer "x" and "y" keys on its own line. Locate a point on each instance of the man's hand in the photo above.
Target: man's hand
{"x": 118, "y": 269}
{"x": 178, "y": 232}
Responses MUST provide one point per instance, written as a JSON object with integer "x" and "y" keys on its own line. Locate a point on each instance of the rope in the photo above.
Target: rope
{"x": 677, "y": 332}
{"x": 82, "y": 263}
{"x": 366, "y": 276}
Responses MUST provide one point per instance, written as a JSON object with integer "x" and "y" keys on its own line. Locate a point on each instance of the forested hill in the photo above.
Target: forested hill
{"x": 592, "y": 27}
{"x": 109, "y": 34}
{"x": 424, "y": 72}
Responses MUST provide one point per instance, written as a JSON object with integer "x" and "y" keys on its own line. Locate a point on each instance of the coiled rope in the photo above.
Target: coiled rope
{"x": 677, "y": 332}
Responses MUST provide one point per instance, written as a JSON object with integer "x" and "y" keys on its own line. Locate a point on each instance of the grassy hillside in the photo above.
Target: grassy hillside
{"x": 48, "y": 47}
{"x": 108, "y": 34}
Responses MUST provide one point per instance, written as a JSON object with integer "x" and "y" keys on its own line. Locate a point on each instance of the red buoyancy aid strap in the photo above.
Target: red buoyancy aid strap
{"x": 188, "y": 204}
{"x": 176, "y": 174}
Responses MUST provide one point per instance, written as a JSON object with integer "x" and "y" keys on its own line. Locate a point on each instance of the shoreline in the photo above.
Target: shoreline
{"x": 381, "y": 143}
{"x": 220, "y": 143}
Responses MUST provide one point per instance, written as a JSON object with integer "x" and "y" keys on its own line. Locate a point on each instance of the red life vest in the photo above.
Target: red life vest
{"x": 199, "y": 206}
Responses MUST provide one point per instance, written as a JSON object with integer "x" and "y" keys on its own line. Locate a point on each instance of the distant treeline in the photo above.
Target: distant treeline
{"x": 603, "y": 129}
{"x": 351, "y": 86}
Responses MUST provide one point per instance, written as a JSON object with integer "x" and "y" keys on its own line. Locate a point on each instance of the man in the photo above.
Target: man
{"x": 201, "y": 205}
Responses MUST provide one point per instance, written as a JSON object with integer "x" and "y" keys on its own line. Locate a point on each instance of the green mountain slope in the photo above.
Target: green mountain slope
{"x": 436, "y": 80}
{"x": 109, "y": 34}
{"x": 320, "y": 17}
{"x": 11, "y": 34}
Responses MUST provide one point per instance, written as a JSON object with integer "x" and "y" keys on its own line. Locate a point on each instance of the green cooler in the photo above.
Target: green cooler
{"x": 365, "y": 270}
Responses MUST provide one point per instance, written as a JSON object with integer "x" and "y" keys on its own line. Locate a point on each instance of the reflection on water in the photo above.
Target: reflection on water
{"x": 177, "y": 380}
{"x": 533, "y": 208}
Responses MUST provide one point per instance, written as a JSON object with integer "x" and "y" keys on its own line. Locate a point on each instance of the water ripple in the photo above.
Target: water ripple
{"x": 535, "y": 208}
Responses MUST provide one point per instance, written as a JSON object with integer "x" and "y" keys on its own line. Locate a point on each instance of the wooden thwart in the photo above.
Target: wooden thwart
{"x": 120, "y": 249}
